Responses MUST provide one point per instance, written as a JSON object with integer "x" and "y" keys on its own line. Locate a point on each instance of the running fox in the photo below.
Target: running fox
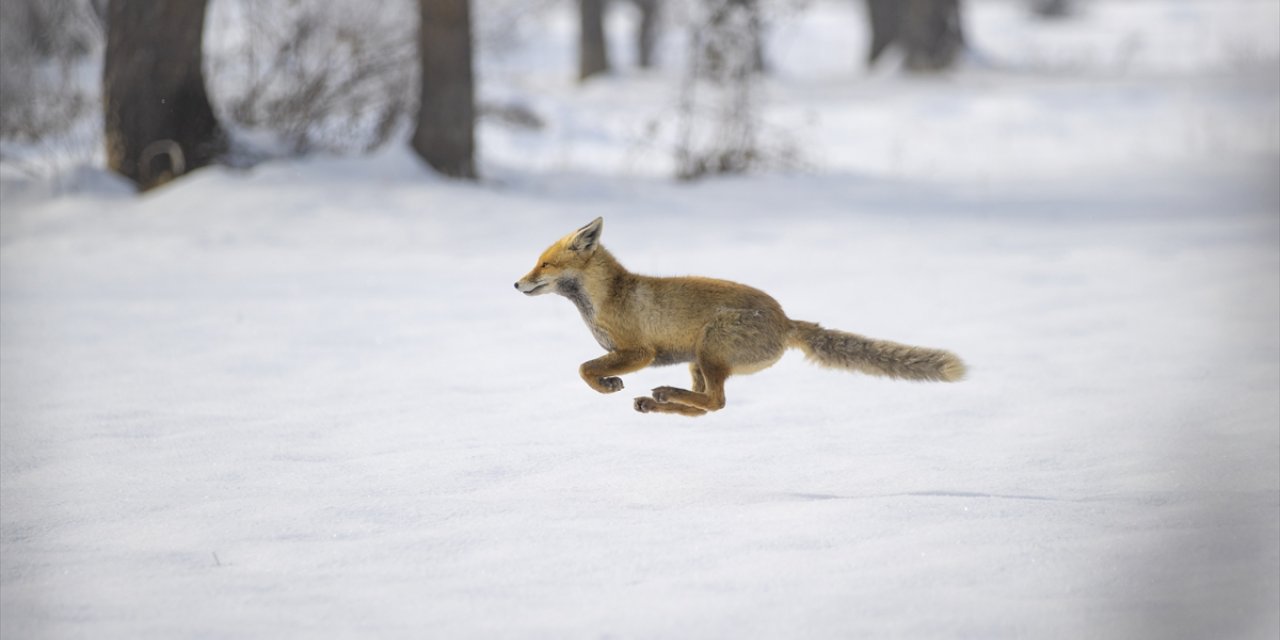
{"x": 721, "y": 328}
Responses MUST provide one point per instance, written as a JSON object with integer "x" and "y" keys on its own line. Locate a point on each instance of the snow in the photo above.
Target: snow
{"x": 304, "y": 400}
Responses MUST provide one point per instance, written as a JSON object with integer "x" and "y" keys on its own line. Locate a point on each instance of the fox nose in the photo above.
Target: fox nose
{"x": 516, "y": 285}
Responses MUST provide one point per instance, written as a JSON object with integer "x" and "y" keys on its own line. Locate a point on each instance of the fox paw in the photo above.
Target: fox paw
{"x": 610, "y": 384}
{"x": 663, "y": 394}
{"x": 645, "y": 404}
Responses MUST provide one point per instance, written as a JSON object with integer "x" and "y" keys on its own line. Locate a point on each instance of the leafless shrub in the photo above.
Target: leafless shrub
{"x": 338, "y": 75}
{"x": 293, "y": 76}
{"x": 46, "y": 50}
{"x": 718, "y": 110}
{"x": 318, "y": 75}
{"x": 719, "y": 124}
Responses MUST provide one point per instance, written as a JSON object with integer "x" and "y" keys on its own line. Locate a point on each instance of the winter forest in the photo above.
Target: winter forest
{"x": 263, "y": 373}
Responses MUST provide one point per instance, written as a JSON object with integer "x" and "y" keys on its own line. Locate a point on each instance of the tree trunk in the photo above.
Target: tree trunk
{"x": 445, "y": 133}
{"x": 756, "y": 29}
{"x": 593, "y": 53}
{"x": 157, "y": 118}
{"x": 647, "y": 32}
{"x": 886, "y": 21}
{"x": 1051, "y": 8}
{"x": 929, "y": 32}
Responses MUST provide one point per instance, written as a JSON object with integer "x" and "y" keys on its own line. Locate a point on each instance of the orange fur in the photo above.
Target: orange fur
{"x": 722, "y": 328}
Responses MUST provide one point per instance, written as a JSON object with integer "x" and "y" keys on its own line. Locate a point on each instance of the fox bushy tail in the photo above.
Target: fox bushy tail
{"x": 852, "y": 352}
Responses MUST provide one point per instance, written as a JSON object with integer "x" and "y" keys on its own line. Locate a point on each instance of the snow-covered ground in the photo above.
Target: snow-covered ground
{"x": 304, "y": 400}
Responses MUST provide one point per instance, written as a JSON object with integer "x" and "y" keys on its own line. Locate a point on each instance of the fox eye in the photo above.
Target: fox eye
{"x": 545, "y": 265}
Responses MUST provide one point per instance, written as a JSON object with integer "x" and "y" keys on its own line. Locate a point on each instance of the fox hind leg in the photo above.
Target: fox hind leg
{"x": 711, "y": 398}
{"x": 736, "y": 341}
{"x": 645, "y": 404}
{"x": 688, "y": 403}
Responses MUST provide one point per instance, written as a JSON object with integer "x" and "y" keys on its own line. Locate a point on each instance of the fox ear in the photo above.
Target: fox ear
{"x": 586, "y": 238}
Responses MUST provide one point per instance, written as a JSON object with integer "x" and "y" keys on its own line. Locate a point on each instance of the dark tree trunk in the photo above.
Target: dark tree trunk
{"x": 931, "y": 34}
{"x": 928, "y": 31}
{"x": 886, "y": 21}
{"x": 157, "y": 118}
{"x": 647, "y": 31}
{"x": 593, "y": 52}
{"x": 757, "y": 36}
{"x": 1051, "y": 8}
{"x": 445, "y": 133}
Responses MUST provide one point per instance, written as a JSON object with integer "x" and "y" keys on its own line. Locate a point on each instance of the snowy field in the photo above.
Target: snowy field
{"x": 304, "y": 401}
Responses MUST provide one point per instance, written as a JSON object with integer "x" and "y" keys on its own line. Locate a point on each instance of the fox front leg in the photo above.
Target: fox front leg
{"x": 601, "y": 373}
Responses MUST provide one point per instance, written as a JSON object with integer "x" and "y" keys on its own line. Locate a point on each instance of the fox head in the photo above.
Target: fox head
{"x": 563, "y": 261}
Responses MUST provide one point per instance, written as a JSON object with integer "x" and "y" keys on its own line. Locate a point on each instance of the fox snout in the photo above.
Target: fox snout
{"x": 531, "y": 288}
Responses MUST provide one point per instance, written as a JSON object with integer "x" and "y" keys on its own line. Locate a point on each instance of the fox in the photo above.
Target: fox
{"x": 720, "y": 328}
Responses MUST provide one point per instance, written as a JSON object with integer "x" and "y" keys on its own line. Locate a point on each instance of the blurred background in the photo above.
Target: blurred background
{"x": 263, "y": 373}
{"x": 648, "y": 88}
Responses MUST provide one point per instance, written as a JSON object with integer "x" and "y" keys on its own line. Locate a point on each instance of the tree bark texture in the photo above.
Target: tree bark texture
{"x": 157, "y": 118}
{"x": 593, "y": 52}
{"x": 445, "y": 133}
